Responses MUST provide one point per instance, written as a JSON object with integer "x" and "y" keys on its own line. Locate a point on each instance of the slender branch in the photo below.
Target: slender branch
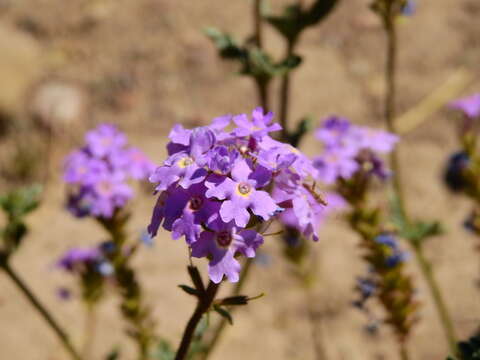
{"x": 203, "y": 306}
{"x": 390, "y": 110}
{"x": 35, "y": 302}
{"x": 442, "y": 310}
{"x": 218, "y": 331}
{"x": 285, "y": 96}
{"x": 89, "y": 332}
{"x": 262, "y": 84}
{"x": 403, "y": 351}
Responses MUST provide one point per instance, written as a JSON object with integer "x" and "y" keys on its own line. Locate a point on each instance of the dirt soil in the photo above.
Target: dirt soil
{"x": 146, "y": 65}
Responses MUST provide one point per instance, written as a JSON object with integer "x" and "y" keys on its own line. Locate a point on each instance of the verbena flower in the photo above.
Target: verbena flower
{"x": 348, "y": 148}
{"x": 469, "y": 105}
{"x": 220, "y": 182}
{"x": 98, "y": 173}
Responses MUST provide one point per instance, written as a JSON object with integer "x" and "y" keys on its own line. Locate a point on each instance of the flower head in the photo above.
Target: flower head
{"x": 349, "y": 148}
{"x": 469, "y": 105}
{"x": 217, "y": 187}
{"x": 97, "y": 173}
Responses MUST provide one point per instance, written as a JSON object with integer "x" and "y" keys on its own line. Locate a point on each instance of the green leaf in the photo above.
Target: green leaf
{"x": 113, "y": 355}
{"x": 295, "y": 20}
{"x": 228, "y": 48}
{"x": 224, "y": 313}
{"x": 234, "y": 300}
{"x": 189, "y": 290}
{"x": 303, "y": 127}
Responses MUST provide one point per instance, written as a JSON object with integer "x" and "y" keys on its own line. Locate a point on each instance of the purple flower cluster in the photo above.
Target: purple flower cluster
{"x": 349, "y": 148}
{"x": 220, "y": 182}
{"x": 98, "y": 173}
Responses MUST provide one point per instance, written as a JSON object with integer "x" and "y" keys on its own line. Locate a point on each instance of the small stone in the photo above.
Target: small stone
{"x": 57, "y": 105}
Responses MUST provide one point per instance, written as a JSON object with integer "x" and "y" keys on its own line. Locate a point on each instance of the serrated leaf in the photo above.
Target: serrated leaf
{"x": 224, "y": 313}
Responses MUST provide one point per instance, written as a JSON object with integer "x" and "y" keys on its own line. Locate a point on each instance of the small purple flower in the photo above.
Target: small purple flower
{"x": 241, "y": 194}
{"x": 334, "y": 131}
{"x": 221, "y": 242}
{"x": 258, "y": 126}
{"x": 186, "y": 167}
{"x": 105, "y": 139}
{"x": 334, "y": 164}
{"x": 469, "y": 105}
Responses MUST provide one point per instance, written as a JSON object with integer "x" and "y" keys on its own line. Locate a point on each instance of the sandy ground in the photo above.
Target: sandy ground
{"x": 146, "y": 65}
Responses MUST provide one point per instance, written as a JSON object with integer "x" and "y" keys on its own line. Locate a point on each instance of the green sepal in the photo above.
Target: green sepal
{"x": 224, "y": 313}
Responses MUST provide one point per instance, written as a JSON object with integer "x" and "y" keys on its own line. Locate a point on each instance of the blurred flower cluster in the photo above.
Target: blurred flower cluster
{"x": 350, "y": 148}
{"x": 98, "y": 173}
{"x": 223, "y": 183}
{"x": 92, "y": 267}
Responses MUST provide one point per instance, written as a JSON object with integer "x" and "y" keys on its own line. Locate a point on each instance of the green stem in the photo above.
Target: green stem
{"x": 390, "y": 76}
{"x": 445, "y": 319}
{"x": 285, "y": 97}
{"x": 35, "y": 302}
{"x": 218, "y": 331}
{"x": 203, "y": 306}
{"x": 261, "y": 83}
{"x": 132, "y": 305}
{"x": 403, "y": 351}
{"x": 90, "y": 327}
{"x": 316, "y": 325}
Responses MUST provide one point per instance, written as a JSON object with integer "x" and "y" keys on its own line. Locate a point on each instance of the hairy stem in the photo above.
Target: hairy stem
{"x": 390, "y": 76}
{"x": 35, "y": 302}
{"x": 203, "y": 306}
{"x": 218, "y": 331}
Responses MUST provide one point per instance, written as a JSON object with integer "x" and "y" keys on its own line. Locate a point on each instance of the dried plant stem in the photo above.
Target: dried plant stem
{"x": 390, "y": 96}
{"x": 35, "y": 302}
{"x": 203, "y": 306}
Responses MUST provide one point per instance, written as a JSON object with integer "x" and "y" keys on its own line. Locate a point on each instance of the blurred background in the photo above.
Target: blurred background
{"x": 146, "y": 65}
